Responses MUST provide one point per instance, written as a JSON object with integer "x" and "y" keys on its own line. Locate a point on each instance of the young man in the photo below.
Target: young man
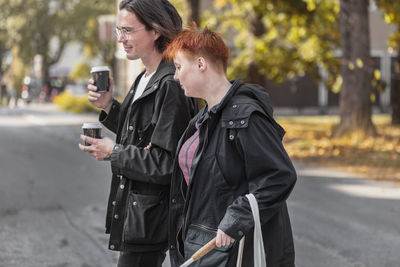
{"x": 155, "y": 111}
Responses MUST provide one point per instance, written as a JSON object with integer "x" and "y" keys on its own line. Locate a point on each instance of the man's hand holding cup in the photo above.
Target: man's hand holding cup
{"x": 100, "y": 87}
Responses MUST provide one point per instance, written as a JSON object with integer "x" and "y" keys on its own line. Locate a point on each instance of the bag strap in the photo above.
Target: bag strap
{"x": 259, "y": 252}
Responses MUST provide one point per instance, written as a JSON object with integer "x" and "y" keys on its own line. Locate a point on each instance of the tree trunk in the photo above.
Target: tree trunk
{"x": 257, "y": 29}
{"x": 193, "y": 11}
{"x": 45, "y": 84}
{"x": 395, "y": 92}
{"x": 355, "y": 103}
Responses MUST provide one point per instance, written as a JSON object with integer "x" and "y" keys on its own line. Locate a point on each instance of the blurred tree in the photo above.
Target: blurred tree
{"x": 391, "y": 9}
{"x": 4, "y": 49}
{"x": 16, "y": 72}
{"x": 3, "y": 65}
{"x": 193, "y": 11}
{"x": 80, "y": 73}
{"x": 279, "y": 40}
{"x": 189, "y": 10}
{"x": 94, "y": 47}
{"x": 355, "y": 96}
{"x": 44, "y": 27}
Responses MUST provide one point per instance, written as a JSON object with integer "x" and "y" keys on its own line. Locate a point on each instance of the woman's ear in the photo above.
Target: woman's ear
{"x": 201, "y": 63}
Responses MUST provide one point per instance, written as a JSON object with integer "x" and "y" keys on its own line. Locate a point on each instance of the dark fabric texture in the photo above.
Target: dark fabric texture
{"x": 240, "y": 151}
{"x": 138, "y": 201}
{"x": 148, "y": 259}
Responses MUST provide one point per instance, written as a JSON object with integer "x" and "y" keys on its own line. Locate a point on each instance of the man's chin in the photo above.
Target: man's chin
{"x": 132, "y": 57}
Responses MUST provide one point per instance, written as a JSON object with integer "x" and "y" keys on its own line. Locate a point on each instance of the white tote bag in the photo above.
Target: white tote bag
{"x": 259, "y": 253}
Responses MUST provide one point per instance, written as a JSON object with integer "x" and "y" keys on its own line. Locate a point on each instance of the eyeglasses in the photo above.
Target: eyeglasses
{"x": 125, "y": 32}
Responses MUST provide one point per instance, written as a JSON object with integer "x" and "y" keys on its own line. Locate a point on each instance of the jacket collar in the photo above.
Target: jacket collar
{"x": 164, "y": 68}
{"x": 232, "y": 91}
{"x": 204, "y": 114}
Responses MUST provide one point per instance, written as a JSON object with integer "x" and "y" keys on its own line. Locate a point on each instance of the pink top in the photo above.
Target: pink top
{"x": 186, "y": 155}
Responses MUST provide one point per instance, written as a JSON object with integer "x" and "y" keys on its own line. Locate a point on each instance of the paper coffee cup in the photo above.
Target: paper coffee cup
{"x": 101, "y": 78}
{"x": 92, "y": 129}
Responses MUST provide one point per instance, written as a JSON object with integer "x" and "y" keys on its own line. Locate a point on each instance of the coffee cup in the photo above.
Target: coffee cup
{"x": 101, "y": 78}
{"x": 92, "y": 129}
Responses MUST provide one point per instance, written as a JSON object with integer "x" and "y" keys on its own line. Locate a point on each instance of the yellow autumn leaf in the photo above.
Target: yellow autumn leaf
{"x": 336, "y": 152}
{"x": 359, "y": 63}
{"x": 337, "y": 85}
{"x": 389, "y": 18}
{"x": 220, "y": 3}
{"x": 377, "y": 74}
{"x": 373, "y": 98}
{"x": 351, "y": 66}
{"x": 310, "y": 5}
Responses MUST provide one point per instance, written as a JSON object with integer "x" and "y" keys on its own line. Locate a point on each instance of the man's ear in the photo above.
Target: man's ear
{"x": 201, "y": 63}
{"x": 156, "y": 35}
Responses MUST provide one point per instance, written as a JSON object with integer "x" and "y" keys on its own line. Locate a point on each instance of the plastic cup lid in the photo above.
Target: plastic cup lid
{"x": 91, "y": 125}
{"x": 99, "y": 68}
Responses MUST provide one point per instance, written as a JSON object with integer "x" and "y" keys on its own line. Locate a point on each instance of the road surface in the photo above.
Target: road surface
{"x": 53, "y": 198}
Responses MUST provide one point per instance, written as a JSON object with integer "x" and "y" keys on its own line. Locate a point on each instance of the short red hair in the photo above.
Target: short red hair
{"x": 196, "y": 42}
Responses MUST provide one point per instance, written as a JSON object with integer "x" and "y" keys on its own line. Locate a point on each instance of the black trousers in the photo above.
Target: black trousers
{"x": 142, "y": 259}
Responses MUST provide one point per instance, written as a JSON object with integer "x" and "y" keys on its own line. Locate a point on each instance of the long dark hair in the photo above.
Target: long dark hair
{"x": 158, "y": 15}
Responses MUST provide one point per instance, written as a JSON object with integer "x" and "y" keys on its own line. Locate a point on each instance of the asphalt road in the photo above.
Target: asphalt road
{"x": 53, "y": 197}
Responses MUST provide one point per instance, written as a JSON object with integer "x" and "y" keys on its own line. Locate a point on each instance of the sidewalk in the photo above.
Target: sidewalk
{"x": 41, "y": 115}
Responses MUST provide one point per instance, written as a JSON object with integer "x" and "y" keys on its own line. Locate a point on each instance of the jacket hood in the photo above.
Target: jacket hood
{"x": 256, "y": 94}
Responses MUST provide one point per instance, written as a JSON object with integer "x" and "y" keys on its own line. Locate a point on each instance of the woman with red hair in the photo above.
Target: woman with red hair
{"x": 231, "y": 148}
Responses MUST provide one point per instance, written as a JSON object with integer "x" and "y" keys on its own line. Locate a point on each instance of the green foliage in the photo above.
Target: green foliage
{"x": 391, "y": 8}
{"x": 80, "y": 72}
{"x": 19, "y": 71}
{"x": 180, "y": 6}
{"x": 284, "y": 38}
{"x": 92, "y": 47}
{"x": 68, "y": 102}
{"x": 31, "y": 25}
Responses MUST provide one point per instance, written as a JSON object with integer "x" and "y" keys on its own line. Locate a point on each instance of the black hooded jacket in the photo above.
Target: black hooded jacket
{"x": 240, "y": 151}
{"x": 138, "y": 202}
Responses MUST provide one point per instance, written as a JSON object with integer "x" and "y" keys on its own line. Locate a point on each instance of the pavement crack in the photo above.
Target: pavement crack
{"x": 9, "y": 212}
{"x": 80, "y": 230}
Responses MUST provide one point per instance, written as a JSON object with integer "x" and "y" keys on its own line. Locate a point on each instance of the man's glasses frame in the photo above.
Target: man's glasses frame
{"x": 125, "y": 32}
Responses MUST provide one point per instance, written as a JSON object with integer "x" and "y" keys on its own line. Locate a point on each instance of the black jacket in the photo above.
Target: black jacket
{"x": 138, "y": 202}
{"x": 240, "y": 151}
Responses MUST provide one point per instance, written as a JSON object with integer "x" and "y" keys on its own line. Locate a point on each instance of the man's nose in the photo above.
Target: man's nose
{"x": 121, "y": 38}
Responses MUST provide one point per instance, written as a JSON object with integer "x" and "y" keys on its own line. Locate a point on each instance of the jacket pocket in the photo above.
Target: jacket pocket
{"x": 197, "y": 236}
{"x": 146, "y": 219}
{"x": 144, "y": 135}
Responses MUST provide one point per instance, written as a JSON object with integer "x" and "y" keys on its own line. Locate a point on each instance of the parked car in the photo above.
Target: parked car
{"x": 30, "y": 90}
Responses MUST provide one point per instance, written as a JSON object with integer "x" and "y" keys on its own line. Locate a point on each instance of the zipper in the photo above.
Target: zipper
{"x": 194, "y": 171}
{"x": 181, "y": 187}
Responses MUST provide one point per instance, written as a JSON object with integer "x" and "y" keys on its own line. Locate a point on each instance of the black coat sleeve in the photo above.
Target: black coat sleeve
{"x": 171, "y": 116}
{"x": 269, "y": 173}
{"x": 110, "y": 120}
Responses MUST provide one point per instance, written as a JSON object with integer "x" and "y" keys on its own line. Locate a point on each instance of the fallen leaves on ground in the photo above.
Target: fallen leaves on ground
{"x": 308, "y": 139}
